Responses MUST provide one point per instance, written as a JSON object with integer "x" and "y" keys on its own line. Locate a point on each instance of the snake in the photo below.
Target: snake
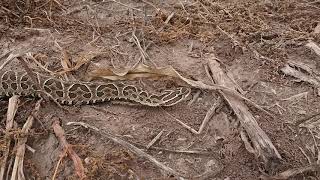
{"x": 83, "y": 92}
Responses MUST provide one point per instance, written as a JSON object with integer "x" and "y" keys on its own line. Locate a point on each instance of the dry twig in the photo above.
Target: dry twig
{"x": 141, "y": 153}
{"x": 206, "y": 119}
{"x": 85, "y": 125}
{"x": 12, "y": 109}
{"x": 59, "y": 132}
{"x": 17, "y": 170}
{"x": 155, "y": 139}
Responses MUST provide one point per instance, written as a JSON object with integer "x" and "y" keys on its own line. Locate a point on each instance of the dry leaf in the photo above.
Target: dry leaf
{"x": 130, "y": 74}
{"x": 83, "y": 58}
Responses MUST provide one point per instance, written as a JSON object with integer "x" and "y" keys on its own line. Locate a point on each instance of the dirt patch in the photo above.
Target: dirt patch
{"x": 253, "y": 41}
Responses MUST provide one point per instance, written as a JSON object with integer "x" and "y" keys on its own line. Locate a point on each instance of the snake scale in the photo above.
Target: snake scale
{"x": 79, "y": 92}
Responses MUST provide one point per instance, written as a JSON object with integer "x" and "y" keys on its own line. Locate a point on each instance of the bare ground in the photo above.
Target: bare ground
{"x": 252, "y": 39}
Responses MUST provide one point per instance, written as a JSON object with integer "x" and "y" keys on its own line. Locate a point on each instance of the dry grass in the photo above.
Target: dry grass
{"x": 266, "y": 30}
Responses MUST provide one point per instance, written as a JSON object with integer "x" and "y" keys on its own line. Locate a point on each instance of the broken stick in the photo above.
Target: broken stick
{"x": 59, "y": 132}
{"x": 12, "y": 109}
{"x": 17, "y": 170}
{"x": 262, "y": 144}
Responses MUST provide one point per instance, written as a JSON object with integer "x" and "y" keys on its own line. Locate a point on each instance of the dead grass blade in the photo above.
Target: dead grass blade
{"x": 17, "y": 170}
{"x": 12, "y": 109}
{"x": 138, "y": 71}
{"x": 78, "y": 166}
{"x": 262, "y": 144}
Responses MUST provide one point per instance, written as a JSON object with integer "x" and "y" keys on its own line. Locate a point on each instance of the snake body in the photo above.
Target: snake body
{"x": 79, "y": 92}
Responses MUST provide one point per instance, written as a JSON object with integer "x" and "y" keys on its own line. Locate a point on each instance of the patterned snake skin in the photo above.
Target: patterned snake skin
{"x": 70, "y": 93}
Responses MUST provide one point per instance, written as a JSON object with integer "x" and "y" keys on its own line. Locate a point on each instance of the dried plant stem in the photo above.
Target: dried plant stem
{"x": 17, "y": 171}
{"x": 12, "y": 109}
{"x": 59, "y": 132}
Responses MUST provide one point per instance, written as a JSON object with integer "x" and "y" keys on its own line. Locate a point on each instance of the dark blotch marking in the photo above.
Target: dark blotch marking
{"x": 100, "y": 94}
{"x": 49, "y": 82}
{"x": 134, "y": 96}
{"x": 4, "y": 85}
{"x": 87, "y": 95}
{"x": 109, "y": 86}
{"x": 48, "y": 90}
{"x": 59, "y": 93}
{"x": 156, "y": 101}
{"x": 12, "y": 76}
{"x": 24, "y": 86}
{"x": 5, "y": 76}
{"x": 59, "y": 85}
{"x": 120, "y": 85}
{"x": 82, "y": 87}
{"x": 125, "y": 93}
{"x": 72, "y": 95}
{"x": 143, "y": 94}
{"x": 155, "y": 98}
{"x": 24, "y": 78}
{"x": 34, "y": 86}
{"x": 108, "y": 89}
{"x": 130, "y": 90}
{"x": 14, "y": 86}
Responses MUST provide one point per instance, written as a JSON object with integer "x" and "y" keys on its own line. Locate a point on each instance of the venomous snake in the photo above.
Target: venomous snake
{"x": 79, "y": 92}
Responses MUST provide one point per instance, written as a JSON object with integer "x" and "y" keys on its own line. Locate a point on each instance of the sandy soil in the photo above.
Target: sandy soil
{"x": 252, "y": 39}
